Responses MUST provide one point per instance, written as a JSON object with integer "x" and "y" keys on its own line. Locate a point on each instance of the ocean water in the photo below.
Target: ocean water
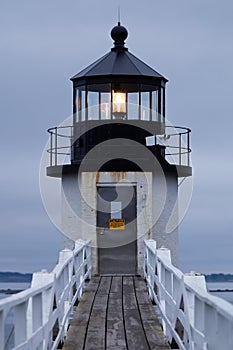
{"x": 13, "y": 286}
{"x": 214, "y": 286}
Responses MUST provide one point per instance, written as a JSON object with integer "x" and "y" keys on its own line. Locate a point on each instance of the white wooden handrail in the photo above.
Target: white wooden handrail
{"x": 41, "y": 314}
{"x": 192, "y": 319}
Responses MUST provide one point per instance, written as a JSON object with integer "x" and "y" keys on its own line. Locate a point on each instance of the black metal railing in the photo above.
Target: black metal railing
{"x": 178, "y": 148}
{"x": 61, "y": 139}
{"x": 176, "y": 140}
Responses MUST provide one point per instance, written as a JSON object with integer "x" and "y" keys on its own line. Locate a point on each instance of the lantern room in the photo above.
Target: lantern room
{"x": 116, "y": 88}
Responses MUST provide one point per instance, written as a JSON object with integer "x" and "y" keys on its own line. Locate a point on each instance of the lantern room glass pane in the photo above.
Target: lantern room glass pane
{"x": 163, "y": 104}
{"x": 154, "y": 106}
{"x": 145, "y": 105}
{"x": 133, "y": 105}
{"x": 83, "y": 106}
{"x": 105, "y": 108}
{"x": 80, "y": 103}
{"x": 93, "y": 105}
{"x": 149, "y": 102}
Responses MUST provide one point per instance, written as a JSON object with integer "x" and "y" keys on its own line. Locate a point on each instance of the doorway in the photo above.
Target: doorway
{"x": 116, "y": 230}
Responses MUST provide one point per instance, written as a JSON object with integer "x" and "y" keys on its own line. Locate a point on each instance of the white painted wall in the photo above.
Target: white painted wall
{"x": 165, "y": 228}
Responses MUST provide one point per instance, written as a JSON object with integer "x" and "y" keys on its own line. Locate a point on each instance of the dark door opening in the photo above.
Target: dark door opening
{"x": 117, "y": 230}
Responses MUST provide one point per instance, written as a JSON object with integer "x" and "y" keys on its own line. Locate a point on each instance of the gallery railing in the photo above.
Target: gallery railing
{"x": 175, "y": 139}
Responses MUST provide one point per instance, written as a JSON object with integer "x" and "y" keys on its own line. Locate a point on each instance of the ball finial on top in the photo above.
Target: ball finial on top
{"x": 119, "y": 34}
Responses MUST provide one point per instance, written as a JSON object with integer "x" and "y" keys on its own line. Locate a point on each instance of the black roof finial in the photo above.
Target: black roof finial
{"x": 119, "y": 34}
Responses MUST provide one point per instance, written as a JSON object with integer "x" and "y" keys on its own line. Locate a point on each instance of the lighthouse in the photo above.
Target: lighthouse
{"x": 123, "y": 162}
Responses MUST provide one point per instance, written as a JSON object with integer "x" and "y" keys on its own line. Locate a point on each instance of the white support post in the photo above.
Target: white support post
{"x": 165, "y": 254}
{"x": 64, "y": 255}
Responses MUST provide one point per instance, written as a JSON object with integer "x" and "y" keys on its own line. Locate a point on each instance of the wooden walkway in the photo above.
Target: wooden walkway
{"x": 115, "y": 313}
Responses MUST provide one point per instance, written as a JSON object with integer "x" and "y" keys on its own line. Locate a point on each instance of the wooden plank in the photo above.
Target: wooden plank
{"x": 93, "y": 284}
{"x": 151, "y": 325}
{"x": 132, "y": 319}
{"x": 97, "y": 319}
{"x": 129, "y": 301}
{"x": 115, "y": 301}
{"x": 143, "y": 298}
{"x": 76, "y": 338}
{"x": 100, "y": 301}
{"x": 140, "y": 284}
{"x": 105, "y": 284}
{"x": 115, "y": 333}
{"x": 116, "y": 286}
{"x": 155, "y": 336}
{"x": 128, "y": 286}
{"x": 135, "y": 336}
{"x": 95, "y": 340}
{"x": 147, "y": 313}
{"x": 87, "y": 298}
{"x": 136, "y": 339}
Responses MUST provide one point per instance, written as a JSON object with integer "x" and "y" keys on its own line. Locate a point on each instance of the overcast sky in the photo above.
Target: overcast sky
{"x": 44, "y": 43}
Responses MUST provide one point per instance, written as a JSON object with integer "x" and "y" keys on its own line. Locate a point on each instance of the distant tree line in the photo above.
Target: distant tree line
{"x": 219, "y": 277}
{"x": 14, "y": 277}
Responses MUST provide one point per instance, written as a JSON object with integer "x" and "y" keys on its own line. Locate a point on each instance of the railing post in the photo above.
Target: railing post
{"x": 180, "y": 155}
{"x": 56, "y": 146}
{"x": 51, "y": 149}
{"x": 188, "y": 154}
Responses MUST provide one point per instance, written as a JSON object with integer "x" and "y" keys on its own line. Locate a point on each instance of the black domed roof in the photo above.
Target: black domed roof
{"x": 119, "y": 61}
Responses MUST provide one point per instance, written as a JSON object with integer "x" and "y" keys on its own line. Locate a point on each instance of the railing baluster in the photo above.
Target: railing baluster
{"x": 180, "y": 154}
{"x": 55, "y": 146}
{"x": 51, "y": 149}
{"x": 188, "y": 146}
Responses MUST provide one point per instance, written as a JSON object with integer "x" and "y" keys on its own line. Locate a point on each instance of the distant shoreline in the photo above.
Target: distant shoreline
{"x": 10, "y": 291}
{"x": 220, "y": 290}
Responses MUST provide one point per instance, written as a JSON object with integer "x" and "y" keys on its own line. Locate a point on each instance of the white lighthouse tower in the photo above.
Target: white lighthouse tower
{"x": 120, "y": 184}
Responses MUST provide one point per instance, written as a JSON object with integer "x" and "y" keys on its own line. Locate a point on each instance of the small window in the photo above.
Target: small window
{"x": 116, "y": 210}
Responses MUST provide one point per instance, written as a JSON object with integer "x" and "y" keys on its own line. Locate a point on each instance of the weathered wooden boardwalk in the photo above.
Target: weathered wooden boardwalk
{"x": 115, "y": 313}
